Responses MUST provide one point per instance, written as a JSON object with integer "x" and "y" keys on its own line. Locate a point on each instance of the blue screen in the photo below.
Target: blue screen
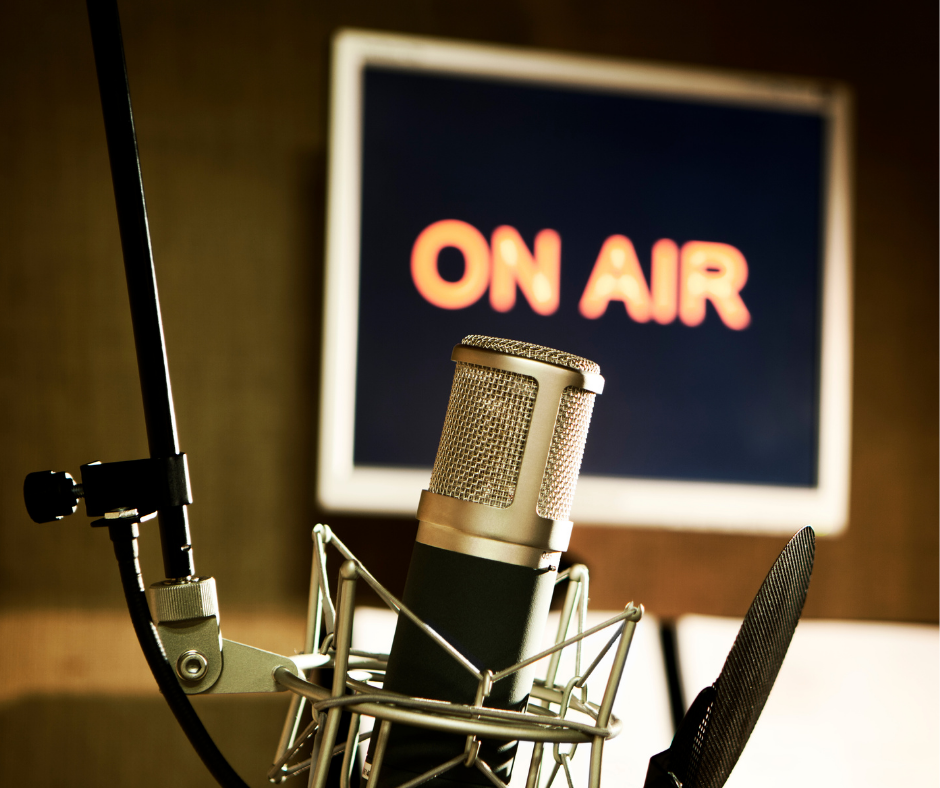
{"x": 704, "y": 402}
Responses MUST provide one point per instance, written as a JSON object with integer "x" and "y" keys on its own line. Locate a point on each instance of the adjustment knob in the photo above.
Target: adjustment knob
{"x": 50, "y": 496}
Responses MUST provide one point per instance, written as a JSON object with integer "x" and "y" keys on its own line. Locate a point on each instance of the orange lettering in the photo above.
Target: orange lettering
{"x": 716, "y": 272}
{"x": 680, "y": 280}
{"x": 476, "y": 254}
{"x": 664, "y": 280}
{"x": 617, "y": 276}
{"x": 538, "y": 276}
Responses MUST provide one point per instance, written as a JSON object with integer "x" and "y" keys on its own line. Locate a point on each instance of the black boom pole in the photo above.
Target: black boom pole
{"x": 154, "y": 383}
{"x": 138, "y": 267}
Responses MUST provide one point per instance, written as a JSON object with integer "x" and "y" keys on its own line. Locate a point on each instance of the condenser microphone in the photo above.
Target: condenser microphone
{"x": 492, "y": 525}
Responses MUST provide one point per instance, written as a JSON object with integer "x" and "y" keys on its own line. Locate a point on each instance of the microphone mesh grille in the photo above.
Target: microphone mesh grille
{"x": 513, "y": 347}
{"x": 564, "y": 456}
{"x": 484, "y": 435}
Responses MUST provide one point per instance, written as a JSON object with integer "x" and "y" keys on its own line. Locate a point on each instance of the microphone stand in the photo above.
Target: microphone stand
{"x": 166, "y": 470}
{"x": 176, "y": 620}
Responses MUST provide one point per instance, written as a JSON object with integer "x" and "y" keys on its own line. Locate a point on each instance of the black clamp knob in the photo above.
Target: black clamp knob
{"x": 50, "y": 495}
{"x": 131, "y": 488}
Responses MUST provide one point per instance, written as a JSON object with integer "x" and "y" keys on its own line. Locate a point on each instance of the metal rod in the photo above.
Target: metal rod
{"x": 564, "y": 622}
{"x": 349, "y": 754}
{"x": 588, "y": 708}
{"x": 347, "y": 600}
{"x": 314, "y": 600}
{"x": 379, "y": 755}
{"x": 291, "y": 724}
{"x": 551, "y": 777}
{"x": 607, "y": 704}
{"x": 299, "y": 767}
{"x": 320, "y": 724}
{"x": 564, "y": 762}
{"x": 573, "y": 576}
{"x": 631, "y": 614}
{"x": 597, "y": 660}
{"x": 527, "y": 727}
{"x": 582, "y": 617}
{"x": 311, "y": 644}
{"x": 322, "y": 535}
{"x": 277, "y": 772}
{"x": 296, "y": 769}
{"x": 152, "y": 366}
{"x": 449, "y": 715}
{"x": 488, "y": 773}
{"x": 395, "y": 604}
{"x": 366, "y": 693}
{"x": 535, "y": 765}
{"x": 616, "y": 672}
{"x": 430, "y": 774}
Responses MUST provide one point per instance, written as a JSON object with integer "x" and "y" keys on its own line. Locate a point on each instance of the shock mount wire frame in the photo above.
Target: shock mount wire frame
{"x": 545, "y": 721}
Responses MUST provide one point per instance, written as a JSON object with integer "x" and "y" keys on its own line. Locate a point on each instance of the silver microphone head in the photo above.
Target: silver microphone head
{"x": 508, "y": 462}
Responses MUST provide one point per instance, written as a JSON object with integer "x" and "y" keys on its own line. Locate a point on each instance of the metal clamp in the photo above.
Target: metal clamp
{"x": 127, "y": 490}
{"x": 146, "y": 485}
{"x": 187, "y": 618}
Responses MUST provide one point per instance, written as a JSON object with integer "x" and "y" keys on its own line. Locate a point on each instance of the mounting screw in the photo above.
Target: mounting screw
{"x": 191, "y": 666}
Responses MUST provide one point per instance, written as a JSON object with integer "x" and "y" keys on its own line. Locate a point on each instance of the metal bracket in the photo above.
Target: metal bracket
{"x": 205, "y": 663}
{"x": 194, "y": 649}
{"x": 187, "y": 619}
{"x": 249, "y": 669}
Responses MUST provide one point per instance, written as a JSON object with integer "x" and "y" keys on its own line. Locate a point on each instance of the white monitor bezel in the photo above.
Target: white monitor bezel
{"x": 739, "y": 508}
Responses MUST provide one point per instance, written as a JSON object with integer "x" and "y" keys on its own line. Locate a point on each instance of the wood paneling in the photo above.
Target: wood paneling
{"x": 230, "y": 101}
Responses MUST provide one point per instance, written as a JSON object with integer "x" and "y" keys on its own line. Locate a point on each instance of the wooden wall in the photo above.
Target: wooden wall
{"x": 230, "y": 102}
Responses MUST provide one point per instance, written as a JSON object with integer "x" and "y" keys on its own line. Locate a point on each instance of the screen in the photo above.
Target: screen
{"x": 678, "y": 240}
{"x": 704, "y": 397}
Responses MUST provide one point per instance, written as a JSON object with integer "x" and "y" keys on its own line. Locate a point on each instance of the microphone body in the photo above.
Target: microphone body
{"x": 492, "y": 526}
